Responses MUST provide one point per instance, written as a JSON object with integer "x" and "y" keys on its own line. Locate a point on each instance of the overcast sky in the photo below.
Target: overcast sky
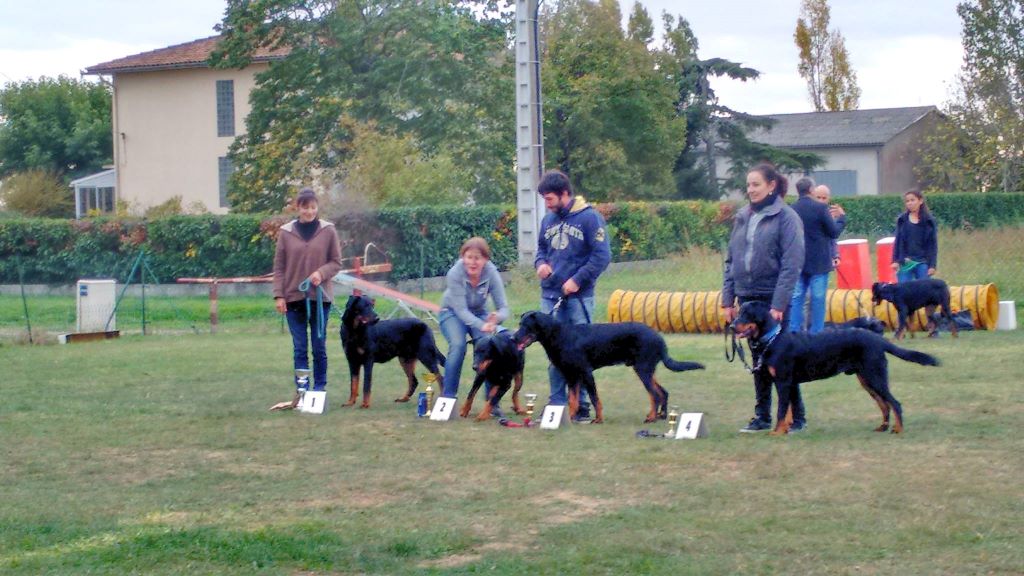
{"x": 905, "y": 52}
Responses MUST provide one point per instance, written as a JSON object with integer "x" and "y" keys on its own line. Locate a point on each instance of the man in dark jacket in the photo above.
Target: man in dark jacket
{"x": 572, "y": 251}
{"x": 820, "y": 229}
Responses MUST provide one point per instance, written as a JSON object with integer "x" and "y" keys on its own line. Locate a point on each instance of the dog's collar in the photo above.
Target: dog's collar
{"x": 762, "y": 346}
{"x": 768, "y": 337}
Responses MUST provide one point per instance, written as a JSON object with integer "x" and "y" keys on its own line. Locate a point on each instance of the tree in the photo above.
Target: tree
{"x": 437, "y": 72}
{"x": 387, "y": 170}
{"x": 981, "y": 147}
{"x": 824, "y": 60}
{"x": 713, "y": 129}
{"x": 641, "y": 26}
{"x": 37, "y": 193}
{"x": 609, "y": 119}
{"x": 61, "y": 126}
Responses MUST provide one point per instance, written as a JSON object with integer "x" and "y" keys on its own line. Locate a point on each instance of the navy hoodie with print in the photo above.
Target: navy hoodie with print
{"x": 574, "y": 243}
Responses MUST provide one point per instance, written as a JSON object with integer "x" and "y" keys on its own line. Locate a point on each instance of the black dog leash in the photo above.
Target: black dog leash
{"x": 561, "y": 300}
{"x": 735, "y": 349}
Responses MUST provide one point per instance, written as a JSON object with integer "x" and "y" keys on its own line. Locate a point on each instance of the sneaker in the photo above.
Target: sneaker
{"x": 799, "y": 426}
{"x": 757, "y": 425}
{"x": 497, "y": 413}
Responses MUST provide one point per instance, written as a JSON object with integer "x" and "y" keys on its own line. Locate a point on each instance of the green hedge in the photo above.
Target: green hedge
{"x": 876, "y": 215}
{"x": 417, "y": 240}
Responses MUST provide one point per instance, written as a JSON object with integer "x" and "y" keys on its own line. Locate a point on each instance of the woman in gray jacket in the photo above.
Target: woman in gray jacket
{"x": 766, "y": 253}
{"x": 468, "y": 285}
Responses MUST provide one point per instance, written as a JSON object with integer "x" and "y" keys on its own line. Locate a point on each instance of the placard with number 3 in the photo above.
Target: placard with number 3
{"x": 552, "y": 417}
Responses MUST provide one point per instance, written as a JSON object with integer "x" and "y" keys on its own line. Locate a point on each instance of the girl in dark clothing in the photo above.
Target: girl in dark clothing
{"x": 916, "y": 250}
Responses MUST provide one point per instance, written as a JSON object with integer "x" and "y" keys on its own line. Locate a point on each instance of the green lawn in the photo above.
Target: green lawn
{"x": 157, "y": 455}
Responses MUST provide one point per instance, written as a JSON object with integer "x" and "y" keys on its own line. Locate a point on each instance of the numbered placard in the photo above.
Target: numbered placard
{"x": 443, "y": 408}
{"x": 313, "y": 402}
{"x": 551, "y": 419}
{"x": 691, "y": 426}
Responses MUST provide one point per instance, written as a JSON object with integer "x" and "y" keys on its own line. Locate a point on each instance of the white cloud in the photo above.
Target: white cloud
{"x": 70, "y": 56}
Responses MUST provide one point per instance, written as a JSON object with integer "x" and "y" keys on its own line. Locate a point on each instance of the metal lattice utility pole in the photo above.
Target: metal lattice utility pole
{"x": 529, "y": 138}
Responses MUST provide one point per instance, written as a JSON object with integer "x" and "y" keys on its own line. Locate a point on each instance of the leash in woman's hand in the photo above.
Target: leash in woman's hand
{"x": 321, "y": 328}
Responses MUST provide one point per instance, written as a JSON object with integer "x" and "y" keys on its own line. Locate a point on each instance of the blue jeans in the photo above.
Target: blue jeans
{"x": 572, "y": 311}
{"x": 455, "y": 332}
{"x": 817, "y": 285}
{"x": 297, "y": 325}
{"x": 919, "y": 272}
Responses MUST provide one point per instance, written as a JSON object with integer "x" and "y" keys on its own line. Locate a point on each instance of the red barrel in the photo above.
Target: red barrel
{"x": 883, "y": 259}
{"x": 854, "y": 271}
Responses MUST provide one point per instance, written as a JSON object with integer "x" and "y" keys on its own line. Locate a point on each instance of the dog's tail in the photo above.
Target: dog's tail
{"x": 440, "y": 357}
{"x": 677, "y": 366}
{"x": 911, "y": 355}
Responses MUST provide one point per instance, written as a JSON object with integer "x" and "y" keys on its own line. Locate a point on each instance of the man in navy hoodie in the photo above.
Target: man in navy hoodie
{"x": 820, "y": 230}
{"x": 572, "y": 251}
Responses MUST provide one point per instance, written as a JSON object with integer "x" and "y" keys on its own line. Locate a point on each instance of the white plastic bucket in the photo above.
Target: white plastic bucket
{"x": 1007, "y": 315}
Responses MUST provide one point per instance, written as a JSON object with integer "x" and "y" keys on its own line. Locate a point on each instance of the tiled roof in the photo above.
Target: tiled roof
{"x": 838, "y": 129}
{"x": 188, "y": 55}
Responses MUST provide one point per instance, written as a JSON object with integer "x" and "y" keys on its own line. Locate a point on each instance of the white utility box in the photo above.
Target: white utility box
{"x": 95, "y": 305}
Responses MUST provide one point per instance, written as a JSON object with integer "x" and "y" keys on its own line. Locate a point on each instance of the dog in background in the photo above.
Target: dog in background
{"x": 864, "y": 323}
{"x": 497, "y": 360}
{"x": 792, "y": 359}
{"x": 368, "y": 340}
{"x": 578, "y": 350}
{"x": 909, "y": 296}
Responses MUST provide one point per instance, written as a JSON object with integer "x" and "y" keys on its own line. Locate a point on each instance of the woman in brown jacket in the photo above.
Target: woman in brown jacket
{"x": 307, "y": 249}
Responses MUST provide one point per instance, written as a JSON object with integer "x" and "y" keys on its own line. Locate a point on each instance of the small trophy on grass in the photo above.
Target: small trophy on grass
{"x": 430, "y": 397}
{"x": 531, "y": 403}
{"x": 673, "y": 419}
{"x": 301, "y": 387}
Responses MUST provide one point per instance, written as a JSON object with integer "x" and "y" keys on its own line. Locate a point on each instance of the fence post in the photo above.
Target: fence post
{"x": 24, "y": 300}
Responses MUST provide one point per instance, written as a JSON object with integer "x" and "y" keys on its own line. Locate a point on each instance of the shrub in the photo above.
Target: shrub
{"x": 38, "y": 193}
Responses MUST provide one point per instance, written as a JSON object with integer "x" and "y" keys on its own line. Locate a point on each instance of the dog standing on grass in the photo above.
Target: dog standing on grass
{"x": 368, "y": 340}
{"x": 792, "y": 359}
{"x": 909, "y": 296}
{"x": 578, "y": 350}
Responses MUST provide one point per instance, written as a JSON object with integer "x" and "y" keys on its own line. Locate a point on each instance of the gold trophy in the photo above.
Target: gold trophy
{"x": 430, "y": 397}
{"x": 531, "y": 402}
{"x": 673, "y": 419}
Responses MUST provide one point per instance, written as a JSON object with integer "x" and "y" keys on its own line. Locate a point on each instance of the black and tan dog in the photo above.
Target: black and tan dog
{"x": 578, "y": 350}
{"x": 497, "y": 360}
{"x": 368, "y": 340}
{"x": 792, "y": 359}
{"x": 909, "y": 296}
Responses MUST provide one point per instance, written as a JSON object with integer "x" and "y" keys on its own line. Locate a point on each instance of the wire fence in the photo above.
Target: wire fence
{"x": 34, "y": 314}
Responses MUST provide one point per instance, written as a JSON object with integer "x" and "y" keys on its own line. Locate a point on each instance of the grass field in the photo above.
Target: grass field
{"x": 157, "y": 455}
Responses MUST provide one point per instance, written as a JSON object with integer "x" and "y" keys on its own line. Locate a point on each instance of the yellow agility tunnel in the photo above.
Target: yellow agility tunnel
{"x": 701, "y": 312}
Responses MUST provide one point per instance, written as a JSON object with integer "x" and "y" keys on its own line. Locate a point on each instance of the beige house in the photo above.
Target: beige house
{"x": 174, "y": 118}
{"x": 866, "y": 152}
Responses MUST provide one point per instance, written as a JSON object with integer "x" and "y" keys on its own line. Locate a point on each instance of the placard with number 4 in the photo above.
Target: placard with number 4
{"x": 691, "y": 425}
